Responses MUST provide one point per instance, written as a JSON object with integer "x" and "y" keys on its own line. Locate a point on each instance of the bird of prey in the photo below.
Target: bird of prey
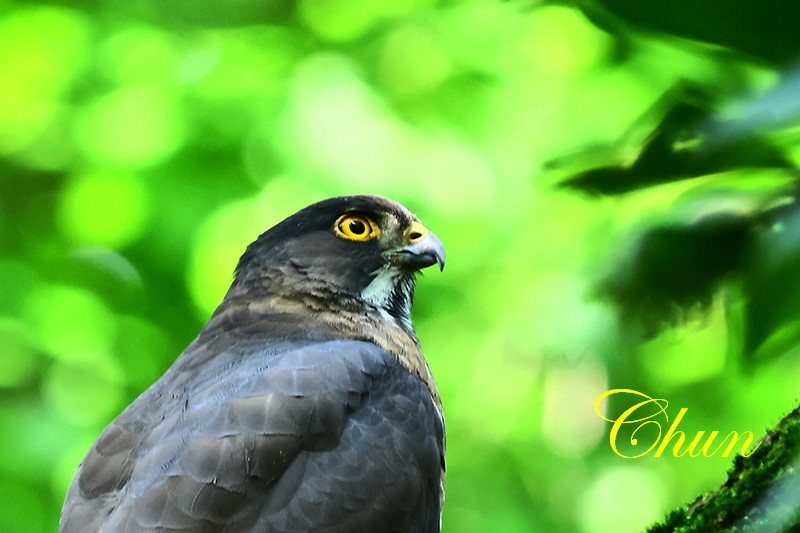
{"x": 304, "y": 405}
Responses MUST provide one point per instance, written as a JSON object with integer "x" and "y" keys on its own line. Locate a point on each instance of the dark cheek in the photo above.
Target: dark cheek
{"x": 358, "y": 263}
{"x": 345, "y": 265}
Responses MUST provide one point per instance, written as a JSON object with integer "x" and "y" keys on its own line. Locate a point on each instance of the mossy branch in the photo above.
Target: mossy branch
{"x": 761, "y": 494}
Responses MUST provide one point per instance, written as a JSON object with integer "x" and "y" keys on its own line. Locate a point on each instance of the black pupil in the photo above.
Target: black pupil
{"x": 357, "y": 227}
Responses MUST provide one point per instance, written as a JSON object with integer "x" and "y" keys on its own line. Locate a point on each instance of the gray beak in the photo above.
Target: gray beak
{"x": 423, "y": 253}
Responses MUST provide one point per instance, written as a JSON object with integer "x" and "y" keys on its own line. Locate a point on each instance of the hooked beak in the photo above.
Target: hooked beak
{"x": 424, "y": 249}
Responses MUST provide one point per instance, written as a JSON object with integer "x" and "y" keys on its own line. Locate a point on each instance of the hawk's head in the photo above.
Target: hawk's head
{"x": 362, "y": 248}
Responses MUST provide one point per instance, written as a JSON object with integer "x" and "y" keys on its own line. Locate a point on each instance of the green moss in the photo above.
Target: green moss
{"x": 761, "y": 492}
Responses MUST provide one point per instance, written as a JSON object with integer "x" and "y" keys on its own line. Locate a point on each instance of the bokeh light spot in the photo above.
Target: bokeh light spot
{"x": 440, "y": 168}
{"x": 337, "y": 124}
{"x": 544, "y": 44}
{"x": 413, "y": 61}
{"x": 569, "y": 424}
{"x": 139, "y": 54}
{"x": 134, "y": 126}
{"x": 49, "y": 46}
{"x": 70, "y": 323}
{"x": 599, "y": 506}
{"x": 85, "y": 393}
{"x": 505, "y": 377}
{"x": 104, "y": 209}
{"x": 18, "y": 357}
{"x": 340, "y": 20}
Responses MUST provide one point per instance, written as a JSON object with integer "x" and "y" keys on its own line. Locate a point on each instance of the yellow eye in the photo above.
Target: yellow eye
{"x": 356, "y": 228}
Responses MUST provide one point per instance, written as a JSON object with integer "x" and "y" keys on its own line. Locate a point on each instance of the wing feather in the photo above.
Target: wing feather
{"x": 237, "y": 446}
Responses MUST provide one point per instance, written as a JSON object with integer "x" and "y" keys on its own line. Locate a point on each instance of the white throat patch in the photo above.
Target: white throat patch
{"x": 391, "y": 294}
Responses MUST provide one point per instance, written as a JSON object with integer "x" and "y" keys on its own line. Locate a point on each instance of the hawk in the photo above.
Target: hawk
{"x": 304, "y": 404}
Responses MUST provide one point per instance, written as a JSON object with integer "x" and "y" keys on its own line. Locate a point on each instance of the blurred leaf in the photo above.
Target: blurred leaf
{"x": 674, "y": 269}
{"x": 742, "y": 26}
{"x": 771, "y": 284}
{"x": 682, "y": 146}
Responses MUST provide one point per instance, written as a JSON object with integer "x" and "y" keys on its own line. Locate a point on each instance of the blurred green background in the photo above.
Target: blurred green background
{"x": 614, "y": 184}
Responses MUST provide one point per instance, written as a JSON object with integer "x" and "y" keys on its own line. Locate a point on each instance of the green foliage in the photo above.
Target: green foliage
{"x": 608, "y": 224}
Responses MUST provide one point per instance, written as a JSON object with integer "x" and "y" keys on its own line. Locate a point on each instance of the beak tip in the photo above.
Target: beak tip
{"x": 436, "y": 248}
